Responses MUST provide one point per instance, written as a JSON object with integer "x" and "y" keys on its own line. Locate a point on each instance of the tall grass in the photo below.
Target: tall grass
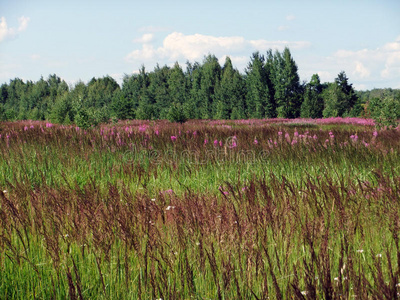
{"x": 224, "y": 210}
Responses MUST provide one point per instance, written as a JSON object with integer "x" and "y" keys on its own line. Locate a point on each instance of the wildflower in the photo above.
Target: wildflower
{"x": 32, "y": 127}
{"x": 215, "y": 142}
{"x": 304, "y": 293}
{"x": 336, "y": 279}
{"x": 279, "y": 132}
{"x": 5, "y": 192}
{"x": 379, "y": 255}
{"x": 255, "y": 142}
{"x": 142, "y": 128}
{"x": 25, "y": 128}
{"x": 375, "y": 133}
{"x": 244, "y": 188}
{"x": 173, "y": 138}
{"x": 170, "y": 207}
{"x": 153, "y": 200}
{"x": 170, "y": 191}
{"x": 220, "y": 143}
{"x": 315, "y": 137}
{"x": 195, "y": 132}
{"x": 360, "y": 251}
{"x": 205, "y": 141}
{"x": 354, "y": 137}
{"x": 296, "y": 133}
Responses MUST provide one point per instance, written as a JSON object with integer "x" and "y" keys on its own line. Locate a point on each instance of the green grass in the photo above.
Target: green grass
{"x": 121, "y": 213}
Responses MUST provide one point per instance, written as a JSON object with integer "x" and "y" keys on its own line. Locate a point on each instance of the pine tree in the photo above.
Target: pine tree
{"x": 256, "y": 87}
{"x": 313, "y": 103}
{"x": 229, "y": 100}
{"x": 287, "y": 85}
{"x": 339, "y": 98}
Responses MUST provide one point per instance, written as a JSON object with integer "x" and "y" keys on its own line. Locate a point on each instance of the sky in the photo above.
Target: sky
{"x": 79, "y": 40}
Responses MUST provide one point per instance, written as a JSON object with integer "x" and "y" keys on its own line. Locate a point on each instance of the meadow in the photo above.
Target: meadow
{"x": 247, "y": 209}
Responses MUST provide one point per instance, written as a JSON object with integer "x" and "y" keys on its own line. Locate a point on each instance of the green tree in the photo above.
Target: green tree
{"x": 339, "y": 98}
{"x": 229, "y": 100}
{"x": 158, "y": 89}
{"x": 177, "y": 113}
{"x": 210, "y": 78}
{"x": 313, "y": 104}
{"x": 256, "y": 98}
{"x": 287, "y": 85}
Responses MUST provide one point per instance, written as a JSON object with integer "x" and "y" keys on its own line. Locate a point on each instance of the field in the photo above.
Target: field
{"x": 249, "y": 209}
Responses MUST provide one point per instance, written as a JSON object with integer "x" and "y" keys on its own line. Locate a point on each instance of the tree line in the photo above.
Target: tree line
{"x": 270, "y": 87}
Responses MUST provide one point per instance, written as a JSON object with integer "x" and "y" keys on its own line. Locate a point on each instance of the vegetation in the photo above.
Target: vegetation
{"x": 220, "y": 209}
{"x": 270, "y": 87}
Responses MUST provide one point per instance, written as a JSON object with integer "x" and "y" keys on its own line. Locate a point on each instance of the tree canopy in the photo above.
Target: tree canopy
{"x": 270, "y": 87}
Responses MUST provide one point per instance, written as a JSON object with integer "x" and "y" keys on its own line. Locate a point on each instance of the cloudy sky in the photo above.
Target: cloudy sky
{"x": 78, "y": 40}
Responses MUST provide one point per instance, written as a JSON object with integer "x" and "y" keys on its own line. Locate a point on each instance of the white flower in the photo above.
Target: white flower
{"x": 360, "y": 251}
{"x": 336, "y": 279}
{"x": 154, "y": 200}
{"x": 170, "y": 207}
{"x": 304, "y": 292}
{"x": 5, "y": 191}
{"x": 197, "y": 244}
{"x": 379, "y": 255}
{"x": 66, "y": 235}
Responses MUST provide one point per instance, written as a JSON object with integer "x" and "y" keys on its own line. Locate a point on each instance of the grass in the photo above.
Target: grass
{"x": 227, "y": 209}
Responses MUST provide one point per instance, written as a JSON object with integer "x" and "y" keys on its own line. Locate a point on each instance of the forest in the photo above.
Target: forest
{"x": 270, "y": 87}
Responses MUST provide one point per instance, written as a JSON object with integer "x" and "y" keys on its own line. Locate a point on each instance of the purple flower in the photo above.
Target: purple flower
{"x": 173, "y": 138}
{"x": 255, "y": 141}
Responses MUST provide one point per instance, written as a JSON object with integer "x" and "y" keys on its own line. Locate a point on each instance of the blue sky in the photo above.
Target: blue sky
{"x": 78, "y": 40}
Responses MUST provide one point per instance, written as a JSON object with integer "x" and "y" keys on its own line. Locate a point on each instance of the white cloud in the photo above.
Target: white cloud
{"x": 35, "y": 56}
{"x": 10, "y": 32}
{"x": 366, "y": 68}
{"x": 361, "y": 70}
{"x": 145, "y": 39}
{"x": 290, "y": 17}
{"x": 180, "y": 47}
{"x": 384, "y": 61}
{"x": 23, "y": 23}
{"x": 283, "y": 28}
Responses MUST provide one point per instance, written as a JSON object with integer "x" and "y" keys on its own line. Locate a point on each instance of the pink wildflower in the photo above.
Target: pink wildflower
{"x": 173, "y": 138}
{"x": 255, "y": 141}
{"x": 205, "y": 141}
